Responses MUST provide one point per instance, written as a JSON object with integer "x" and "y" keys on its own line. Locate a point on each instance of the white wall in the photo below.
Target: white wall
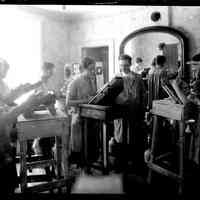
{"x": 111, "y": 29}
{"x": 54, "y": 41}
{"x": 62, "y": 41}
{"x": 187, "y": 19}
{"x": 55, "y": 48}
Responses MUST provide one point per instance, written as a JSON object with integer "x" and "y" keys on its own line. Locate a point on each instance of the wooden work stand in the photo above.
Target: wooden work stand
{"x": 167, "y": 109}
{"x": 43, "y": 125}
{"x": 104, "y": 114}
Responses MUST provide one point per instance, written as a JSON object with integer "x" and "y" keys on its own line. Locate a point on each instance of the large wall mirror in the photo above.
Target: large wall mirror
{"x": 151, "y": 41}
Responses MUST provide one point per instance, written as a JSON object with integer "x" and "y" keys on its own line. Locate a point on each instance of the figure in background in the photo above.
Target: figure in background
{"x": 161, "y": 48}
{"x": 139, "y": 67}
{"x": 133, "y": 99}
{"x": 45, "y": 145}
{"x": 67, "y": 79}
{"x": 80, "y": 91}
{"x": 61, "y": 100}
{"x": 155, "y": 84}
{"x": 48, "y": 69}
{"x": 153, "y": 66}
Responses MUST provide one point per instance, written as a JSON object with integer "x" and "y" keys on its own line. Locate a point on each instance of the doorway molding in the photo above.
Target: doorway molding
{"x": 111, "y": 53}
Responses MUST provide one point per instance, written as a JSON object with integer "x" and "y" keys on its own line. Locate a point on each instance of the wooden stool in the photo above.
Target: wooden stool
{"x": 167, "y": 109}
{"x": 43, "y": 125}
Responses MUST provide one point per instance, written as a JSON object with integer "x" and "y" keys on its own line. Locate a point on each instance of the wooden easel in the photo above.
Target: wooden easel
{"x": 167, "y": 109}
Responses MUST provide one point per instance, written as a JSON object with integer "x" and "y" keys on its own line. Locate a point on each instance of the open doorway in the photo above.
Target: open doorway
{"x": 171, "y": 53}
{"x": 100, "y": 55}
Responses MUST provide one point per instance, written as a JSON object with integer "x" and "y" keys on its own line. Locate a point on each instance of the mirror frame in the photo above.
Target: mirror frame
{"x": 163, "y": 29}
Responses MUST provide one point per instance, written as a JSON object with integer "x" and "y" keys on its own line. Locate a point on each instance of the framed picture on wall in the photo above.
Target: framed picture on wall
{"x": 76, "y": 68}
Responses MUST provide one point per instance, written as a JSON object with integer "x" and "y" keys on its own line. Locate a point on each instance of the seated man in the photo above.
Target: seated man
{"x": 133, "y": 98}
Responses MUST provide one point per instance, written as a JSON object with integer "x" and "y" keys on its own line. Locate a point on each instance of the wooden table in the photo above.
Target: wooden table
{"x": 42, "y": 124}
{"x": 104, "y": 114}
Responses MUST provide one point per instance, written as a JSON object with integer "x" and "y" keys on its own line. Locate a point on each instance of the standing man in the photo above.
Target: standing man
{"x": 155, "y": 80}
{"x": 67, "y": 78}
{"x": 80, "y": 91}
{"x": 133, "y": 99}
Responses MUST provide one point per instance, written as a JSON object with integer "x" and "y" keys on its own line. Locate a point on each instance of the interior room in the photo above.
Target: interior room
{"x": 99, "y": 99}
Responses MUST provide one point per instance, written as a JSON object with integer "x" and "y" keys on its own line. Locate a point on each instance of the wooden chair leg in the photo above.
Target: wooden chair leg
{"x": 59, "y": 158}
{"x": 181, "y": 156}
{"x": 85, "y": 140}
{"x": 153, "y": 145}
{"x": 105, "y": 148}
{"x": 23, "y": 166}
{"x": 65, "y": 149}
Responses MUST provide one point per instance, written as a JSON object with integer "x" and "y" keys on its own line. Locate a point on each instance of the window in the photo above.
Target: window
{"x": 20, "y": 45}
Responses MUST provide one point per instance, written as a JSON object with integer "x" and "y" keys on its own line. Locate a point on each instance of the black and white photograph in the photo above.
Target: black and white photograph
{"x": 100, "y": 99}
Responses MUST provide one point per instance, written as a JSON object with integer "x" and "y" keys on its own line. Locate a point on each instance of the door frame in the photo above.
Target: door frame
{"x": 111, "y": 56}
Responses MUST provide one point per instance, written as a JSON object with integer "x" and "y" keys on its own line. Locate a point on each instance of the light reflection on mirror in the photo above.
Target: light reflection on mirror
{"x": 147, "y": 46}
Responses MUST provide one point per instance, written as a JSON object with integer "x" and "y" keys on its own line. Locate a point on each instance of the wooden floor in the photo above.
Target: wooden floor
{"x": 134, "y": 184}
{"x": 36, "y": 171}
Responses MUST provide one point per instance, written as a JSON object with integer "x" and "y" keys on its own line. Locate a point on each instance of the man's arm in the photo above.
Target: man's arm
{"x": 20, "y": 90}
{"x": 7, "y": 119}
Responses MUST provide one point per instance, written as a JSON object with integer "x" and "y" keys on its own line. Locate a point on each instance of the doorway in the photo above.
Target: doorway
{"x": 100, "y": 55}
{"x": 171, "y": 53}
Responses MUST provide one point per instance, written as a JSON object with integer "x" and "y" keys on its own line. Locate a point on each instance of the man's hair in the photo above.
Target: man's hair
{"x": 48, "y": 66}
{"x": 125, "y": 57}
{"x": 160, "y": 60}
{"x": 138, "y": 60}
{"x": 68, "y": 69}
{"x": 196, "y": 57}
{"x": 86, "y": 62}
{"x": 161, "y": 45}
